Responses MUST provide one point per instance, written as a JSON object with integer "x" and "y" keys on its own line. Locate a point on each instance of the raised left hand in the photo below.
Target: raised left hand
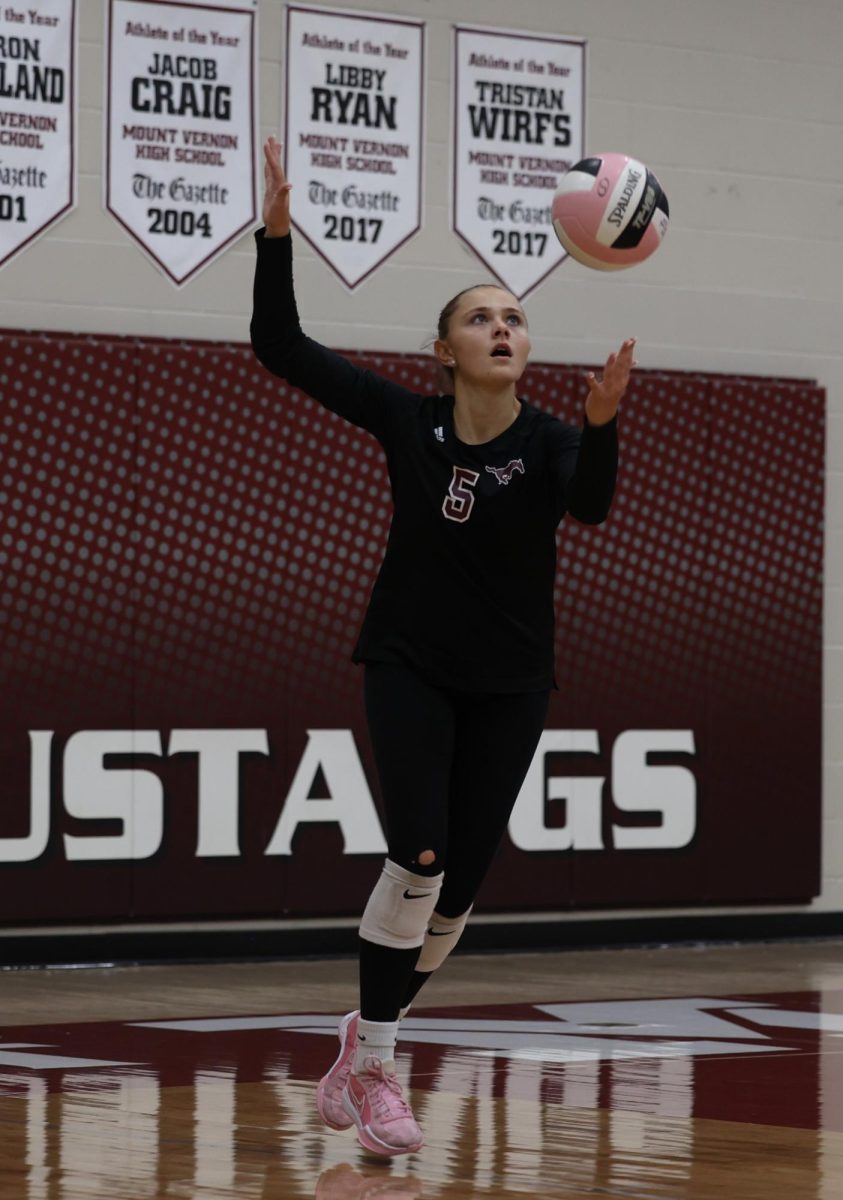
{"x": 604, "y": 395}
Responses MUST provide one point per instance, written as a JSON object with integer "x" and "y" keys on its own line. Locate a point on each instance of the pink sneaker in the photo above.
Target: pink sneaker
{"x": 376, "y": 1104}
{"x": 329, "y": 1092}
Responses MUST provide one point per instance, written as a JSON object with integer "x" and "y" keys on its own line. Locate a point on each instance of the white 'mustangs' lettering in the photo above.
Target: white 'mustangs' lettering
{"x": 134, "y": 797}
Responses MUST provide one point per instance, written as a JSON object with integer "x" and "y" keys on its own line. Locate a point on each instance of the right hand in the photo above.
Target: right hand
{"x": 276, "y": 197}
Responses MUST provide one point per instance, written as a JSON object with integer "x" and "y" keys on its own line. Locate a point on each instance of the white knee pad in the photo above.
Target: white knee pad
{"x": 400, "y": 907}
{"x": 442, "y": 935}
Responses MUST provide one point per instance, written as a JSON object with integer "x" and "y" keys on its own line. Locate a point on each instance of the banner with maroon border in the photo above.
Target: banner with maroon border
{"x": 186, "y": 554}
{"x": 518, "y": 126}
{"x": 180, "y": 123}
{"x": 37, "y": 119}
{"x": 354, "y": 134}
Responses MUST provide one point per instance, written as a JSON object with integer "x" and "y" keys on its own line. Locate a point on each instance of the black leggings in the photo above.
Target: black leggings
{"x": 450, "y": 765}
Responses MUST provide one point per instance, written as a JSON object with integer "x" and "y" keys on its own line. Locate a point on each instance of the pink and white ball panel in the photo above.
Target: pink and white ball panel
{"x": 610, "y": 212}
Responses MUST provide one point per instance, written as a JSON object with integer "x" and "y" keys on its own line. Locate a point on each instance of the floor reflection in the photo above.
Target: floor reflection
{"x": 345, "y": 1182}
{"x": 696, "y": 1099}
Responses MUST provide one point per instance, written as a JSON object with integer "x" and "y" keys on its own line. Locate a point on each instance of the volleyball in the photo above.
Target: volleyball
{"x": 610, "y": 212}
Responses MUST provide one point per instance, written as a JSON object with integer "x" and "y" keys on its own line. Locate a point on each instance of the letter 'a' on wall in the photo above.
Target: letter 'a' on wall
{"x": 353, "y": 141}
{"x": 180, "y": 116}
{"x": 38, "y": 119}
{"x": 518, "y": 126}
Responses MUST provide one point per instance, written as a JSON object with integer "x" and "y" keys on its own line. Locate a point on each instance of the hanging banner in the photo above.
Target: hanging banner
{"x": 180, "y": 127}
{"x": 37, "y": 119}
{"x": 518, "y": 125}
{"x": 354, "y": 134}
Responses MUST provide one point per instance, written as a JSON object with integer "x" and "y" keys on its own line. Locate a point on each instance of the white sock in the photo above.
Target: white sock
{"x": 376, "y": 1038}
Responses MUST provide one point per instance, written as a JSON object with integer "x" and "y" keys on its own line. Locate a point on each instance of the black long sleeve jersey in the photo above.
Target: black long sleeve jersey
{"x": 465, "y": 592}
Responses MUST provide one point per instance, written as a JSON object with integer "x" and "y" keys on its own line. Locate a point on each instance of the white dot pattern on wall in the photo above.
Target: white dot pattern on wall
{"x": 711, "y": 564}
{"x": 177, "y": 522}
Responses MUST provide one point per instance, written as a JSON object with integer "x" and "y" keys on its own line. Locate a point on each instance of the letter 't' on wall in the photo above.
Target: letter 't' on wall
{"x": 354, "y": 105}
{"x": 37, "y": 121}
{"x": 180, "y": 169}
{"x": 518, "y": 126}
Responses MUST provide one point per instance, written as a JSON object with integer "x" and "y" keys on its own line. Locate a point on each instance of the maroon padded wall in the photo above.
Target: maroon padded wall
{"x": 187, "y": 544}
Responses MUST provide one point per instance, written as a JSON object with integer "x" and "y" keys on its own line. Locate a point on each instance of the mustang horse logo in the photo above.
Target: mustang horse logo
{"x": 504, "y": 474}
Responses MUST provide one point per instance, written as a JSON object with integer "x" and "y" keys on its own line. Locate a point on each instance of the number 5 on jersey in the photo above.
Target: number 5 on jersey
{"x": 459, "y": 502}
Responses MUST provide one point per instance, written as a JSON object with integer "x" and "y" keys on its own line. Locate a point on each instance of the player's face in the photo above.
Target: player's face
{"x": 487, "y": 338}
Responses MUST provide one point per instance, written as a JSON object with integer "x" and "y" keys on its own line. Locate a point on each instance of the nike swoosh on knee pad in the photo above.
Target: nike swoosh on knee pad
{"x": 400, "y": 907}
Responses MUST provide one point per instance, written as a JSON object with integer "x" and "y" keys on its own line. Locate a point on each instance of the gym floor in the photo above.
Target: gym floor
{"x": 679, "y": 1073}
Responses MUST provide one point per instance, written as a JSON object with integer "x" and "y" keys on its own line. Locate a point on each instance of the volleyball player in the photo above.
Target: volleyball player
{"x": 458, "y": 638}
